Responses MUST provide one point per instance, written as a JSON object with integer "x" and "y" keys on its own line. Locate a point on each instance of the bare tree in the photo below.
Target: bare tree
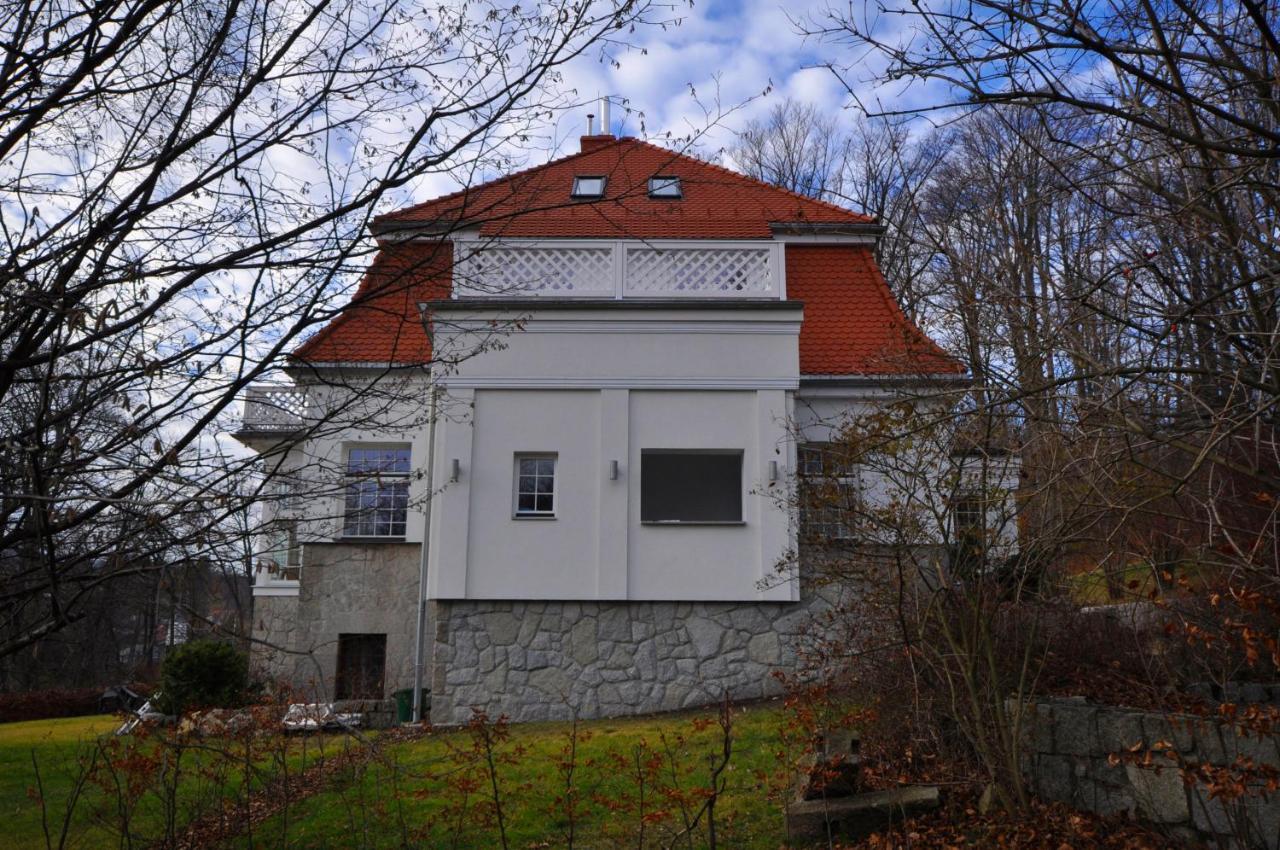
{"x": 186, "y": 189}
{"x": 794, "y": 146}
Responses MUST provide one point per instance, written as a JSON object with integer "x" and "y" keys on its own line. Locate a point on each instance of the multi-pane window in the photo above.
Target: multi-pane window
{"x": 535, "y": 492}
{"x": 830, "y": 493}
{"x": 377, "y": 492}
{"x": 283, "y": 556}
{"x": 968, "y": 533}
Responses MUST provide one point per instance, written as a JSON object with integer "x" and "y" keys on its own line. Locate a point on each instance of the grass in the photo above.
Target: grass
{"x": 61, "y": 748}
{"x": 1137, "y": 581}
{"x": 56, "y": 746}
{"x": 399, "y": 798}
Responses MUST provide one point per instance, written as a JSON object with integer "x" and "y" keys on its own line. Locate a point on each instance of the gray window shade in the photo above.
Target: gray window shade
{"x": 690, "y": 486}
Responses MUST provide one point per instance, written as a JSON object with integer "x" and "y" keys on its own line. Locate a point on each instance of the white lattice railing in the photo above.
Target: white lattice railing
{"x": 619, "y": 269}
{"x": 274, "y": 408}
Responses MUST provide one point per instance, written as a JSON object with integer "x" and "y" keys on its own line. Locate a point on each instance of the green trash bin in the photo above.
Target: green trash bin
{"x": 404, "y": 704}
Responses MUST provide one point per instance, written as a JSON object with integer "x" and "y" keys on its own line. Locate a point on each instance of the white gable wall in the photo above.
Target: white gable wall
{"x": 595, "y": 387}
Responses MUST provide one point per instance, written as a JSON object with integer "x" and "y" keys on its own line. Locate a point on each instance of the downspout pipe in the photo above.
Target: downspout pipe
{"x": 419, "y": 659}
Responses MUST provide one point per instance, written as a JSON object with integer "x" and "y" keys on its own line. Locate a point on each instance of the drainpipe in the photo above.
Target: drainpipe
{"x": 418, "y": 659}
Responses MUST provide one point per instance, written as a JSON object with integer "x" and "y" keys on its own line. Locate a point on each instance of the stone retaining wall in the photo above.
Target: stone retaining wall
{"x": 555, "y": 660}
{"x": 1068, "y": 744}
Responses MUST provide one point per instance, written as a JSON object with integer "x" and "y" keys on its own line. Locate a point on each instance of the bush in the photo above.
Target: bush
{"x": 203, "y": 674}
{"x": 49, "y": 702}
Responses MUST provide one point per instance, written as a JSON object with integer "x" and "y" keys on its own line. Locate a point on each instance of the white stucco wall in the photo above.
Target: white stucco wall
{"x": 598, "y": 386}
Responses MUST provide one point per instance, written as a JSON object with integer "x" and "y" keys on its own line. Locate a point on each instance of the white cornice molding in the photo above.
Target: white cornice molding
{"x": 504, "y": 382}
{"x": 764, "y": 327}
{"x": 824, "y": 239}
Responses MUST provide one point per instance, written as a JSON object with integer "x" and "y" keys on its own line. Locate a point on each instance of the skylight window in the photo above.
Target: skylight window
{"x": 664, "y": 187}
{"x": 588, "y": 187}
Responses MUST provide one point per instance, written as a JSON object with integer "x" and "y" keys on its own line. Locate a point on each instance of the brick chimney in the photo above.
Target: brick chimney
{"x": 592, "y": 143}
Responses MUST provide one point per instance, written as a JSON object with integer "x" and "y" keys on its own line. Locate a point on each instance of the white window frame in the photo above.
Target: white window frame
{"x": 282, "y": 560}
{"x": 818, "y": 463}
{"x": 660, "y": 186}
{"x": 516, "y": 492}
{"x": 604, "y": 186}
{"x": 381, "y": 478}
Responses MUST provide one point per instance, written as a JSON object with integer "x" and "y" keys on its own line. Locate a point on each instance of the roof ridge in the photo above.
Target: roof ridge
{"x": 494, "y": 182}
{"x": 630, "y": 141}
{"x": 757, "y": 181}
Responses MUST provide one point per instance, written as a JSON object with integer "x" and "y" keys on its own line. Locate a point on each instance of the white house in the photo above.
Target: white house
{"x": 602, "y": 368}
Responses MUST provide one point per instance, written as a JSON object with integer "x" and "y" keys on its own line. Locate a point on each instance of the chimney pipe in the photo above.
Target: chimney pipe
{"x": 606, "y": 126}
{"x": 591, "y": 124}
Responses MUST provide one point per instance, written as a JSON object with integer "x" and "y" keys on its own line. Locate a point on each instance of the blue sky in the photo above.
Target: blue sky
{"x": 718, "y": 60}
{"x": 725, "y": 50}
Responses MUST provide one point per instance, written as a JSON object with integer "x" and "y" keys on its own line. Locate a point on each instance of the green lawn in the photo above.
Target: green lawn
{"x": 146, "y": 793}
{"x": 431, "y": 792}
{"x": 393, "y": 804}
{"x": 1136, "y": 582}
{"x": 55, "y": 746}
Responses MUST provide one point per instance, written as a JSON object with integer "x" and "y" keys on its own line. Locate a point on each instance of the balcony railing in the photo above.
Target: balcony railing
{"x": 270, "y": 409}
{"x": 618, "y": 269}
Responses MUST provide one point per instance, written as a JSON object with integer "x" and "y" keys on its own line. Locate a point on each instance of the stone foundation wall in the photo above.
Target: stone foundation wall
{"x": 369, "y": 588}
{"x": 1067, "y": 758}
{"x": 275, "y": 625}
{"x": 555, "y": 660}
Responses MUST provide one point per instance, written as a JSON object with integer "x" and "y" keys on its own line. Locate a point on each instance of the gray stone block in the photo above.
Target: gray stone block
{"x": 1055, "y": 778}
{"x": 858, "y": 816}
{"x": 1119, "y": 730}
{"x": 1176, "y": 729}
{"x": 765, "y": 648}
{"x": 705, "y": 635}
{"x": 1075, "y": 730}
{"x": 502, "y": 628}
{"x": 1159, "y": 792}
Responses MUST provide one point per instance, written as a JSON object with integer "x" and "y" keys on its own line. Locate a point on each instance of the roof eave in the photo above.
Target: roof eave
{"x": 827, "y": 228}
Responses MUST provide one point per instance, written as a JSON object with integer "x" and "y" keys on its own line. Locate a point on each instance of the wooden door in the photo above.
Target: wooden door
{"x": 362, "y": 664}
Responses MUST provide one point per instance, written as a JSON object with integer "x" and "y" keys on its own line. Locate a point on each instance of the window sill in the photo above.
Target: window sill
{"x": 372, "y": 538}
{"x": 535, "y": 517}
{"x": 669, "y": 522}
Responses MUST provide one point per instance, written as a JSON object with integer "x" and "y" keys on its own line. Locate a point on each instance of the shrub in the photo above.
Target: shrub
{"x": 49, "y": 702}
{"x": 203, "y": 674}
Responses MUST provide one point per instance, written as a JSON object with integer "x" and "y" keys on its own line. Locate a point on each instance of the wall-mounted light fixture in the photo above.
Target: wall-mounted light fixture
{"x": 455, "y": 470}
{"x": 613, "y": 470}
{"x": 773, "y": 470}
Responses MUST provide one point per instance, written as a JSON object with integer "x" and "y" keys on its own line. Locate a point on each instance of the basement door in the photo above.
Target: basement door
{"x": 362, "y": 665}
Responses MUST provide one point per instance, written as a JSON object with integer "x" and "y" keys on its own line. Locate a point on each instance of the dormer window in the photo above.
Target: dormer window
{"x": 664, "y": 187}
{"x": 588, "y": 187}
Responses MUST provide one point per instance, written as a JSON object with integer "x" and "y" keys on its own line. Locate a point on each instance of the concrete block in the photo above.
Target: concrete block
{"x": 1159, "y": 792}
{"x": 858, "y": 816}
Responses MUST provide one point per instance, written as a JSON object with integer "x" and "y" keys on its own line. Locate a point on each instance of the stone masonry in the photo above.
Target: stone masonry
{"x": 368, "y": 588}
{"x": 555, "y": 660}
{"x": 1068, "y": 745}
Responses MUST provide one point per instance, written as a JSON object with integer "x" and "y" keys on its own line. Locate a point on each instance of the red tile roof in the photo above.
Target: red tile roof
{"x": 852, "y": 324}
{"x": 717, "y": 203}
{"x": 382, "y": 324}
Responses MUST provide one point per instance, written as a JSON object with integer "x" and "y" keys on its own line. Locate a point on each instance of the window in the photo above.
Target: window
{"x": 690, "y": 485}
{"x": 535, "y": 485}
{"x": 282, "y": 559}
{"x": 830, "y": 493}
{"x": 377, "y": 492}
{"x": 362, "y": 665}
{"x": 588, "y": 187}
{"x": 664, "y": 187}
{"x": 968, "y": 534}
